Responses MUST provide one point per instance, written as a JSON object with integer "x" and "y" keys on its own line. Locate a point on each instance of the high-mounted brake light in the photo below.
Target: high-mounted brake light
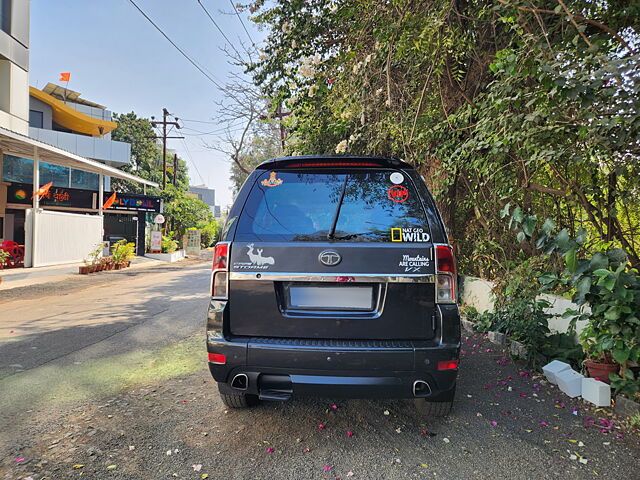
{"x": 446, "y": 364}
{"x": 220, "y": 275}
{"x": 217, "y": 358}
{"x": 331, "y": 164}
{"x": 446, "y": 274}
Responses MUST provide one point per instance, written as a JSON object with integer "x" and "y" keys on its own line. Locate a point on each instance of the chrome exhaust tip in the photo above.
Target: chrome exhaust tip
{"x": 240, "y": 381}
{"x": 421, "y": 389}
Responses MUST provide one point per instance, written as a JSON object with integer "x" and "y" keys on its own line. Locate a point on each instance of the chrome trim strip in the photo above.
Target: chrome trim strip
{"x": 335, "y": 278}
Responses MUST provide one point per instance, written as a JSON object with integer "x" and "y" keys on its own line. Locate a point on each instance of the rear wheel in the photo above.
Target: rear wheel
{"x": 239, "y": 400}
{"x": 433, "y": 409}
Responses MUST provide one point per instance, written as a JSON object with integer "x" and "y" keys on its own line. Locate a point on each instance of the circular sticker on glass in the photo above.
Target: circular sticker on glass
{"x": 396, "y": 177}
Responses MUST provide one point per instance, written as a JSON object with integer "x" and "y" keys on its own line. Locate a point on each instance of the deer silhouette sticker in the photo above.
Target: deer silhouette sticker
{"x": 257, "y": 258}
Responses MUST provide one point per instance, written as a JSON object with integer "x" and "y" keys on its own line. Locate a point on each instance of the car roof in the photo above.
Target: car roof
{"x": 384, "y": 161}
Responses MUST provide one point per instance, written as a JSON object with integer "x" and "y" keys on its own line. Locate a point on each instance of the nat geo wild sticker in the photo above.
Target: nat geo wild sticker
{"x": 411, "y": 234}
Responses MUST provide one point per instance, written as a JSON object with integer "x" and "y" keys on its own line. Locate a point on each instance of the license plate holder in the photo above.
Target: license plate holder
{"x": 331, "y": 297}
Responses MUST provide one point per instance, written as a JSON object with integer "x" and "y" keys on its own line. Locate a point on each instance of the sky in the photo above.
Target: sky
{"x": 118, "y": 59}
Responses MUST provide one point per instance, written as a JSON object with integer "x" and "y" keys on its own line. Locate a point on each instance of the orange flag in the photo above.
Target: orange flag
{"x": 43, "y": 190}
{"x": 65, "y": 77}
{"x": 109, "y": 201}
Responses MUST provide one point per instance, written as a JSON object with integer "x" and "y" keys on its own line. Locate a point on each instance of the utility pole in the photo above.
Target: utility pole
{"x": 279, "y": 115}
{"x": 164, "y": 137}
{"x": 175, "y": 169}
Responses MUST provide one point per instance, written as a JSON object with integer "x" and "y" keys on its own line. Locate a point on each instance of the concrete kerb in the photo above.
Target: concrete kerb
{"x": 25, "y": 277}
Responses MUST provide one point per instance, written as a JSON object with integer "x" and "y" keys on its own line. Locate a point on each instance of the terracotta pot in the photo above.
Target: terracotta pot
{"x": 601, "y": 370}
{"x": 118, "y": 266}
{"x": 83, "y": 270}
{"x": 128, "y": 264}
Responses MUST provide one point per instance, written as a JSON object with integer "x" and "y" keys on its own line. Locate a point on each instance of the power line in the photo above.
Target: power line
{"x": 217, "y": 130}
{"x": 193, "y": 62}
{"x": 191, "y": 159}
{"x": 219, "y": 29}
{"x": 242, "y": 22}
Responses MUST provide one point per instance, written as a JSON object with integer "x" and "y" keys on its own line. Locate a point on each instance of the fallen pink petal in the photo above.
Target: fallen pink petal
{"x": 321, "y": 427}
{"x": 306, "y": 450}
{"x": 19, "y": 459}
{"x": 326, "y": 468}
{"x": 269, "y": 450}
{"x": 494, "y": 423}
{"x": 349, "y": 434}
{"x": 544, "y": 424}
{"x": 334, "y": 407}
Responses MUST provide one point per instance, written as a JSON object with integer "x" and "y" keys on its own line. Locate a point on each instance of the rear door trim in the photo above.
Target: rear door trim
{"x": 341, "y": 278}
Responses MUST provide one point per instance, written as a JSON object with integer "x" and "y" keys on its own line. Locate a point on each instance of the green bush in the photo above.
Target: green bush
{"x": 169, "y": 245}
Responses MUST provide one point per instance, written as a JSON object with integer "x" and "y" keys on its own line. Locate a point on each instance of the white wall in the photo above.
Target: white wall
{"x": 61, "y": 237}
{"x": 477, "y": 293}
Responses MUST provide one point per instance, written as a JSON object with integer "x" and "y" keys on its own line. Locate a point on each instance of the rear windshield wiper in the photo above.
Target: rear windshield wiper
{"x": 332, "y": 231}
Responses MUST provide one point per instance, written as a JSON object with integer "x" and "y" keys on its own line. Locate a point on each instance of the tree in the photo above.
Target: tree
{"x": 187, "y": 212}
{"x": 492, "y": 102}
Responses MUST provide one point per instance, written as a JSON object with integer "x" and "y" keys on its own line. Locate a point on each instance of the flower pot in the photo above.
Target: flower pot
{"x": 601, "y": 370}
{"x": 83, "y": 270}
{"x": 128, "y": 264}
{"x": 118, "y": 266}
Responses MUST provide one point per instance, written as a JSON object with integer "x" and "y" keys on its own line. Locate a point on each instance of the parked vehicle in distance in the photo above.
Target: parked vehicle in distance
{"x": 334, "y": 277}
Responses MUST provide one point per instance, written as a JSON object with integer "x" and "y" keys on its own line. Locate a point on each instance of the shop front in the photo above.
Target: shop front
{"x": 43, "y": 214}
{"x": 131, "y": 217}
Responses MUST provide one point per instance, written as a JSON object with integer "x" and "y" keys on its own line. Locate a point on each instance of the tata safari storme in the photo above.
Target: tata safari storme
{"x": 334, "y": 278}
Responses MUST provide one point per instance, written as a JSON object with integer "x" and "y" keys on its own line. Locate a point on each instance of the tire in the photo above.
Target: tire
{"x": 239, "y": 400}
{"x": 433, "y": 409}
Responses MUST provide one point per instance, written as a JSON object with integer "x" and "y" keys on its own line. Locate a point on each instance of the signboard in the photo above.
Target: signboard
{"x": 193, "y": 242}
{"x": 134, "y": 201}
{"x": 155, "y": 243}
{"x": 20, "y": 193}
{"x": 159, "y": 218}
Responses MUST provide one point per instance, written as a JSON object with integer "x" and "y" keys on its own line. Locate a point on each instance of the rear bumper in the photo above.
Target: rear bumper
{"x": 280, "y": 368}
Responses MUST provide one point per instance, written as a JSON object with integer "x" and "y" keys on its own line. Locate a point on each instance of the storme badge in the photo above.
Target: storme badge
{"x": 412, "y": 234}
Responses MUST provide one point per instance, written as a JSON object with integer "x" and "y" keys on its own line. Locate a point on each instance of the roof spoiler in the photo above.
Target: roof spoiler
{"x": 335, "y": 161}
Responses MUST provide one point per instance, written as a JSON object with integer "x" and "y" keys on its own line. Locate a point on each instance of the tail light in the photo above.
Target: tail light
{"x": 446, "y": 275}
{"x": 220, "y": 268}
{"x": 448, "y": 364}
{"x": 217, "y": 358}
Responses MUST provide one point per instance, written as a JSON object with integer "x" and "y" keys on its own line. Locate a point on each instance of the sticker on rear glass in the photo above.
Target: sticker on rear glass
{"x": 396, "y": 177}
{"x": 256, "y": 260}
{"x": 411, "y": 234}
{"x": 398, "y": 193}
{"x": 272, "y": 181}
{"x": 413, "y": 264}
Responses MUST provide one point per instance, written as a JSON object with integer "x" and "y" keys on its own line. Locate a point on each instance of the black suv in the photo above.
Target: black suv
{"x": 334, "y": 277}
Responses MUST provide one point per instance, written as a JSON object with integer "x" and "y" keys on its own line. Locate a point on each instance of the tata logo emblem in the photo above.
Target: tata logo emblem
{"x": 329, "y": 258}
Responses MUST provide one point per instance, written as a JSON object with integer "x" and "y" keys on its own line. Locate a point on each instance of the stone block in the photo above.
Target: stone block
{"x": 553, "y": 368}
{"x": 626, "y": 407}
{"x": 467, "y": 325}
{"x": 596, "y": 392}
{"x": 497, "y": 338}
{"x": 570, "y": 382}
{"x": 518, "y": 349}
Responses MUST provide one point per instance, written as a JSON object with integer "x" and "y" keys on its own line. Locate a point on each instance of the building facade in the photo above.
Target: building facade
{"x": 208, "y": 196}
{"x": 55, "y": 136}
{"x": 14, "y": 65}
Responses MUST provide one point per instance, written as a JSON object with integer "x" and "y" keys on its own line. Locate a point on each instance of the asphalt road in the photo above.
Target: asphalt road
{"x": 137, "y": 402}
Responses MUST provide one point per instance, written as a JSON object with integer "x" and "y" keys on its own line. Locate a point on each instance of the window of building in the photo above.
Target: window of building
{"x": 5, "y": 16}
{"x": 54, "y": 173}
{"x": 36, "y": 119}
{"x": 84, "y": 180}
{"x": 17, "y": 170}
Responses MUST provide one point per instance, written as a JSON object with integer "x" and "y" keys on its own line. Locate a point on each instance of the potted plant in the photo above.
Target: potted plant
{"x": 4, "y": 256}
{"x": 122, "y": 253}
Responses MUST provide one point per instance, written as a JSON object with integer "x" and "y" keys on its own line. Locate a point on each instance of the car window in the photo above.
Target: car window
{"x": 378, "y": 206}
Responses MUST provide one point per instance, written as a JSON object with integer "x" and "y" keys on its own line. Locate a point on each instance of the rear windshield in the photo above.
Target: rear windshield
{"x": 377, "y": 206}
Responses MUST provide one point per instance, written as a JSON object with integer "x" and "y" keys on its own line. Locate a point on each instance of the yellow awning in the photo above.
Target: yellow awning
{"x": 70, "y": 118}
